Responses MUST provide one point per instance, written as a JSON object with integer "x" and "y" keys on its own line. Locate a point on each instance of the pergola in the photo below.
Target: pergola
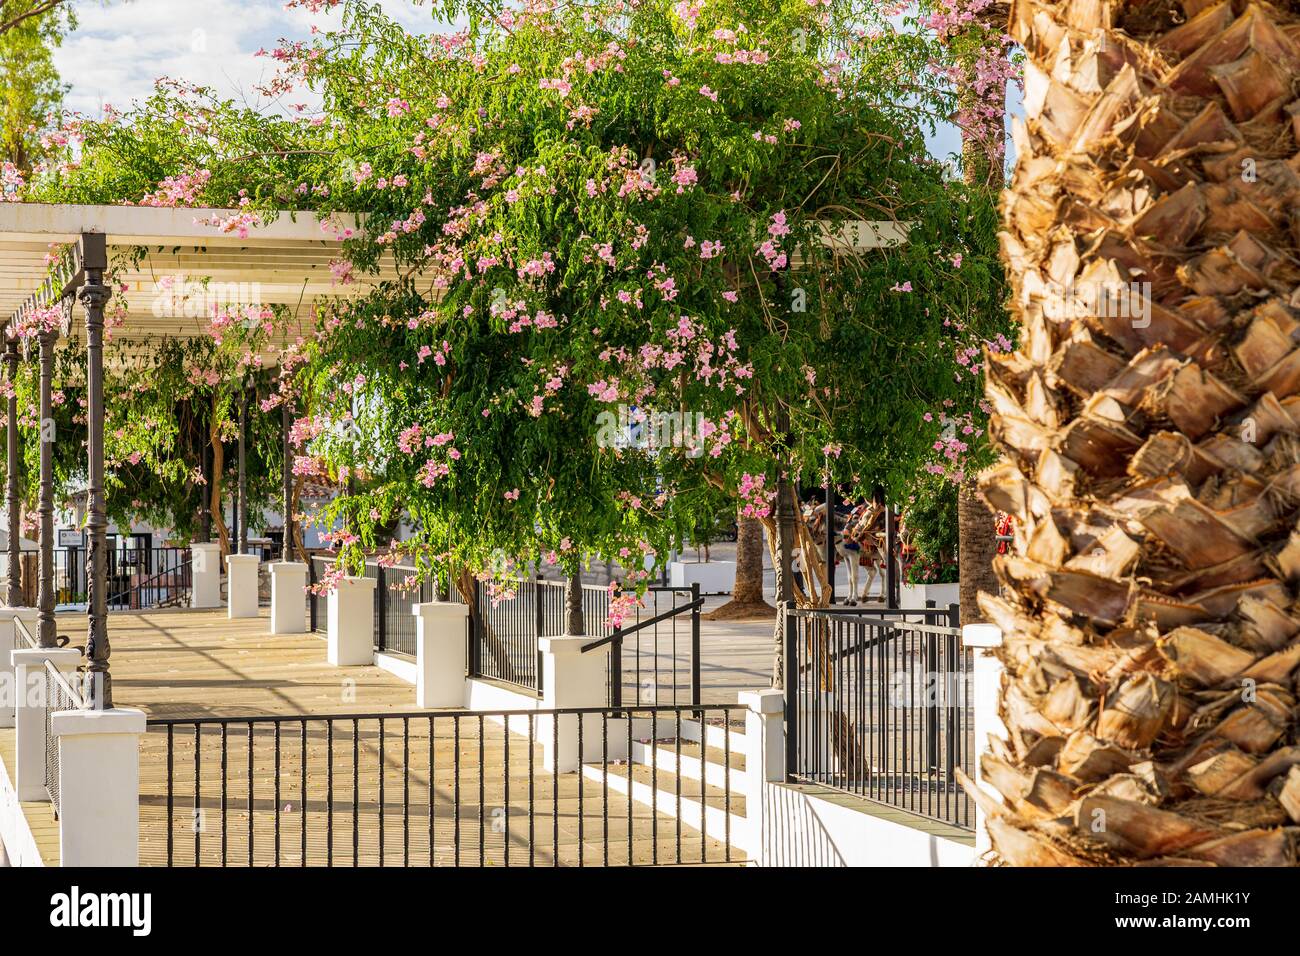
{"x": 55, "y": 255}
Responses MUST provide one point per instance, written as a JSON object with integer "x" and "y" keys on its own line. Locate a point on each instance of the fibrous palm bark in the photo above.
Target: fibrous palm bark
{"x": 1151, "y": 426}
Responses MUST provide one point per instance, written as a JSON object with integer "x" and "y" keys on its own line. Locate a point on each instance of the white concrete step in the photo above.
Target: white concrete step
{"x": 713, "y": 767}
{"x": 699, "y": 806}
{"x": 713, "y": 735}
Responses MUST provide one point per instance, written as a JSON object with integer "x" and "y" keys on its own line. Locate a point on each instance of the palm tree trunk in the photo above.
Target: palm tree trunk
{"x": 1150, "y": 423}
{"x": 747, "y": 593}
{"x": 977, "y": 548}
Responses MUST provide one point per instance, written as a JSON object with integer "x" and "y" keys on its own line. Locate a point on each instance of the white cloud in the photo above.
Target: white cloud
{"x": 121, "y": 47}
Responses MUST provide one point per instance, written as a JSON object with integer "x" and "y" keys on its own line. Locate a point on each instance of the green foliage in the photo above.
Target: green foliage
{"x": 552, "y": 208}
{"x": 931, "y": 518}
{"x": 30, "y": 90}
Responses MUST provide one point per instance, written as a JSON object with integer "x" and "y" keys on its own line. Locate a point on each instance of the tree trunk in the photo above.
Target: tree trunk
{"x": 1151, "y": 428}
{"x": 747, "y": 600}
{"x": 977, "y": 549}
{"x": 214, "y": 497}
{"x": 784, "y": 563}
{"x": 983, "y": 146}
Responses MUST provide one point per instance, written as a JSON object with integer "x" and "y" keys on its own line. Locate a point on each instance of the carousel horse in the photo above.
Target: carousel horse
{"x": 847, "y": 546}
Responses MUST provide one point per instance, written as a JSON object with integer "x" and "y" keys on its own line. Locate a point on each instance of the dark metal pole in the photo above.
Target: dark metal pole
{"x": 94, "y": 295}
{"x": 242, "y": 506}
{"x": 45, "y": 505}
{"x": 891, "y": 554}
{"x": 616, "y": 669}
{"x": 14, "y": 595}
{"x": 830, "y": 541}
{"x": 791, "y": 684}
{"x": 286, "y": 550}
{"x": 695, "y": 644}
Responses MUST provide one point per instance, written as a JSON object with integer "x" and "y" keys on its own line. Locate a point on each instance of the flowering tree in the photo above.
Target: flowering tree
{"x": 629, "y": 289}
{"x": 170, "y": 408}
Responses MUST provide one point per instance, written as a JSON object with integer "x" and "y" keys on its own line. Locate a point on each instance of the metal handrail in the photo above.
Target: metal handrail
{"x": 57, "y": 676}
{"x": 622, "y": 632}
{"x": 139, "y": 585}
{"x": 20, "y": 629}
{"x": 428, "y": 714}
{"x": 846, "y": 610}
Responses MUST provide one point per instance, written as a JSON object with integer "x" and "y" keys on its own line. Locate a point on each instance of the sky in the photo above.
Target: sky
{"x": 121, "y": 46}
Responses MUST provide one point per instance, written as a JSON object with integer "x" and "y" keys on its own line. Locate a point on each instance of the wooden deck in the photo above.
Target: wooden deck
{"x": 199, "y": 664}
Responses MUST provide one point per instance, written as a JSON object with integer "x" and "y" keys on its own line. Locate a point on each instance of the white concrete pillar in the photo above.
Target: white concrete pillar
{"x": 8, "y": 642}
{"x": 440, "y": 654}
{"x": 985, "y": 690}
{"x": 241, "y": 585}
{"x": 571, "y": 678}
{"x": 288, "y": 597}
{"x": 99, "y": 786}
{"x": 205, "y": 575}
{"x": 29, "y": 735}
{"x": 352, "y": 622}
{"x": 764, "y": 761}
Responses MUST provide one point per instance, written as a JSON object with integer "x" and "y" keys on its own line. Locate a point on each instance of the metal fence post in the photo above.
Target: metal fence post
{"x": 539, "y": 609}
{"x": 957, "y": 698}
{"x": 381, "y": 609}
{"x": 311, "y": 592}
{"x": 616, "y": 669}
{"x": 931, "y": 700}
{"x": 790, "y": 680}
{"x": 695, "y": 643}
{"x": 475, "y": 641}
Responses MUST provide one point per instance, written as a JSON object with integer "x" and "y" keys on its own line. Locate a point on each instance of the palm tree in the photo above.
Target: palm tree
{"x": 747, "y": 601}
{"x": 1151, "y": 428}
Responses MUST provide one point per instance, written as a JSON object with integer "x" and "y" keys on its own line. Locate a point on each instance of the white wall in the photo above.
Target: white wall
{"x": 810, "y": 829}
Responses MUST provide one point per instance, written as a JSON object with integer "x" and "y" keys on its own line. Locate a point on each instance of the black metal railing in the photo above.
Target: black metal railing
{"x": 397, "y": 592}
{"x": 510, "y": 616}
{"x": 70, "y": 576}
{"x": 655, "y": 657}
{"x": 430, "y": 788}
{"x": 654, "y": 651}
{"x": 880, "y": 708}
{"x": 154, "y": 577}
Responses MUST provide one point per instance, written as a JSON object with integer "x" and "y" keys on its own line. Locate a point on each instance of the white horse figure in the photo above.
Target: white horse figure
{"x": 859, "y": 541}
{"x": 864, "y": 531}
